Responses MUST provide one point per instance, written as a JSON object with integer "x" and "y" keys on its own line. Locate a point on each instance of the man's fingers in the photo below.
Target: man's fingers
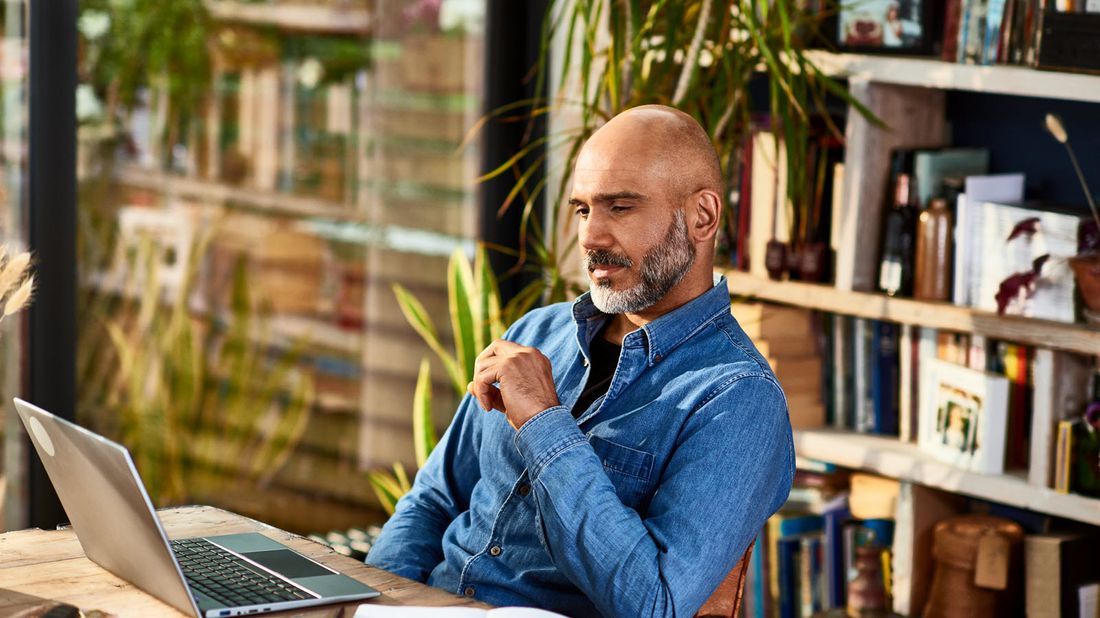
{"x": 487, "y": 396}
{"x": 496, "y": 401}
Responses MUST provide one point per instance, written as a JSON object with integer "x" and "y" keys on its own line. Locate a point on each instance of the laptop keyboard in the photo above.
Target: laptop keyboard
{"x": 228, "y": 579}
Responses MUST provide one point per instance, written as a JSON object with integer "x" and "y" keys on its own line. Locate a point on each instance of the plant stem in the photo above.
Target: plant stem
{"x": 692, "y": 56}
{"x": 1084, "y": 184}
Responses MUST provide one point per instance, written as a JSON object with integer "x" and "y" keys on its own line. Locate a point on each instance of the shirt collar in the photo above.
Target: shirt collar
{"x": 667, "y": 332}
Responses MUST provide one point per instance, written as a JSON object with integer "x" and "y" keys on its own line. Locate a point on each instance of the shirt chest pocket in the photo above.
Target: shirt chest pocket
{"x": 629, "y": 470}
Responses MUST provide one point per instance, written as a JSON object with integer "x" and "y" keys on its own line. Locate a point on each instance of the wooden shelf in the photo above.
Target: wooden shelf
{"x": 902, "y": 461}
{"x": 932, "y": 73}
{"x": 216, "y": 192}
{"x": 1043, "y": 333}
{"x": 318, "y": 333}
{"x": 304, "y": 17}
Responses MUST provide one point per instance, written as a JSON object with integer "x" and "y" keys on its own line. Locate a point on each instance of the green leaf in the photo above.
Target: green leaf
{"x": 489, "y": 322}
{"x": 417, "y": 317}
{"x": 424, "y": 438}
{"x": 462, "y": 299}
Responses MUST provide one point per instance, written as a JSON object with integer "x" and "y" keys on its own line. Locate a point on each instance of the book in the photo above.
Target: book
{"x": 968, "y": 252}
{"x": 1088, "y": 600}
{"x": 862, "y": 404}
{"x": 843, "y": 417}
{"x": 835, "y": 514}
{"x": 926, "y": 349}
{"x": 788, "y": 553}
{"x": 1063, "y": 456}
{"x": 995, "y": 13}
{"x": 1060, "y": 391}
{"x": 907, "y": 360}
{"x": 884, "y": 377}
{"x": 951, "y": 18}
{"x": 368, "y": 610}
{"x": 873, "y": 497}
{"x": 811, "y": 582}
{"x": 931, "y": 167}
{"x": 1016, "y": 362}
{"x": 1055, "y": 566}
{"x": 786, "y": 524}
{"x": 973, "y": 32}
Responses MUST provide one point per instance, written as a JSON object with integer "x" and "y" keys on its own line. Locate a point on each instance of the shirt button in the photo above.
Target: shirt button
{"x": 469, "y": 591}
{"x": 656, "y": 358}
{"x": 494, "y": 550}
{"x": 524, "y": 489}
{"x": 584, "y": 361}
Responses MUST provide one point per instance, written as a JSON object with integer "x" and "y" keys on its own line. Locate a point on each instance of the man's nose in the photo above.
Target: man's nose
{"x": 595, "y": 233}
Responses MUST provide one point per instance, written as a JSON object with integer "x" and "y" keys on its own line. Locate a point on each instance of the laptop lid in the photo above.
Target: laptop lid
{"x": 107, "y": 505}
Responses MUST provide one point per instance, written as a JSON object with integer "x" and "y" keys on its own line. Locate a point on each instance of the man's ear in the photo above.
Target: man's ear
{"x": 708, "y": 209}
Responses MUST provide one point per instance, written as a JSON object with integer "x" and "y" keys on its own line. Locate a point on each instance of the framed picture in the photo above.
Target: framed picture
{"x": 888, "y": 26}
{"x": 963, "y": 415}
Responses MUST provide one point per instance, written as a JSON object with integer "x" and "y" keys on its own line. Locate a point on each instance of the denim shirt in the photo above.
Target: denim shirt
{"x": 639, "y": 507}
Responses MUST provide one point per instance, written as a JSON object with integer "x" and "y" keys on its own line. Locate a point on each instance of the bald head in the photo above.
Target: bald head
{"x": 665, "y": 141}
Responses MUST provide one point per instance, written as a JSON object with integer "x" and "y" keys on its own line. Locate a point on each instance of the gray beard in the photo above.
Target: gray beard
{"x": 662, "y": 268}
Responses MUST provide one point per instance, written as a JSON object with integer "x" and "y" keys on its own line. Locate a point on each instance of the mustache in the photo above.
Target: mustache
{"x": 605, "y": 258}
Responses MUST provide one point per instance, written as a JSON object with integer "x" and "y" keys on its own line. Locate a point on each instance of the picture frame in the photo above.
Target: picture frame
{"x": 903, "y": 27}
{"x": 963, "y": 415}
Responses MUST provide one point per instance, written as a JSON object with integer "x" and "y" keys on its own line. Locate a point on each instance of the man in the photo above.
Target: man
{"x": 618, "y": 455}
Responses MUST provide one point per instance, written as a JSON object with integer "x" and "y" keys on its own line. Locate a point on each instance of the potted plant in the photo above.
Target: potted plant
{"x": 1085, "y": 264}
{"x": 697, "y": 55}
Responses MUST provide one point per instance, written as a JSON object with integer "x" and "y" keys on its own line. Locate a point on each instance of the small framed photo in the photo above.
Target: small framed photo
{"x": 888, "y": 26}
{"x": 963, "y": 415}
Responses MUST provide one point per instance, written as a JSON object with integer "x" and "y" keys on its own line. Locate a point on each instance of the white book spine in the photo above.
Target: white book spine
{"x": 1043, "y": 419}
{"x": 905, "y": 383}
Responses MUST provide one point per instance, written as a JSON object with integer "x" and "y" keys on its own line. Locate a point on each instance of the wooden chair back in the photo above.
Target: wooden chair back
{"x": 726, "y": 599}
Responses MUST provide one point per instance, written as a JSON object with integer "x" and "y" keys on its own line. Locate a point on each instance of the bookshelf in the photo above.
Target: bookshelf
{"x": 940, "y": 315}
{"x": 906, "y": 462}
{"x": 210, "y": 191}
{"x": 940, "y": 75}
{"x": 911, "y": 96}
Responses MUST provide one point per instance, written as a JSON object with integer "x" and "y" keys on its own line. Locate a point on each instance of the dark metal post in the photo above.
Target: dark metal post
{"x": 51, "y": 221}
{"x": 512, "y": 33}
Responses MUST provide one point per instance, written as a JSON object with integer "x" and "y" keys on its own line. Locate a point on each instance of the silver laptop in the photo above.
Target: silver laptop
{"x": 115, "y": 522}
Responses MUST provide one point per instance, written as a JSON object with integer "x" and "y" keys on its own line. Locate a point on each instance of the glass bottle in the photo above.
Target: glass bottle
{"x": 898, "y": 241}
{"x": 933, "y": 262}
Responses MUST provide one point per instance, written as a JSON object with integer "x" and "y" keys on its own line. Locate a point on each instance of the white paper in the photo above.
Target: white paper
{"x": 370, "y": 610}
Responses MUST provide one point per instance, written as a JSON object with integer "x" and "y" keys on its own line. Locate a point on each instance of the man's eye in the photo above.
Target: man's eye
{"x": 581, "y": 212}
{"x": 619, "y": 208}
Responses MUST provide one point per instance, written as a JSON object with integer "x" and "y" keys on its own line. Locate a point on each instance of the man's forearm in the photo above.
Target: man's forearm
{"x": 411, "y": 542}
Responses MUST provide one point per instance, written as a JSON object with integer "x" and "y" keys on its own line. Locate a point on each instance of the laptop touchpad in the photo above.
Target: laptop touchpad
{"x": 288, "y": 563}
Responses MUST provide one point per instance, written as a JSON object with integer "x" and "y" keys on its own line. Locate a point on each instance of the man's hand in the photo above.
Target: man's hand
{"x": 525, "y": 379}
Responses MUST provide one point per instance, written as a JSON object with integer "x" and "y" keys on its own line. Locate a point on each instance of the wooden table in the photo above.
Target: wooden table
{"x": 52, "y": 565}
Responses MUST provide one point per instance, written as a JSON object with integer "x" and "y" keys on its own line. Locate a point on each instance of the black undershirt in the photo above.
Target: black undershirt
{"x": 604, "y": 357}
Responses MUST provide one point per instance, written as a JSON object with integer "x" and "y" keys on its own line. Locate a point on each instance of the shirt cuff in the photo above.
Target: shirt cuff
{"x": 545, "y": 436}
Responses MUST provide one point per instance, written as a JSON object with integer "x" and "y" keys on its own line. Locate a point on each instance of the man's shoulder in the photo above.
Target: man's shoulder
{"x": 725, "y": 349}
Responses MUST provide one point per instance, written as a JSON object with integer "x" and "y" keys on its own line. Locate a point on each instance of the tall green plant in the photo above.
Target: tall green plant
{"x": 697, "y": 55}
{"x": 473, "y": 299}
{"x": 189, "y": 394}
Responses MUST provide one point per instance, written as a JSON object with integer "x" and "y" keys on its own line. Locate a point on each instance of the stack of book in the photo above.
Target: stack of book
{"x": 788, "y": 338}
